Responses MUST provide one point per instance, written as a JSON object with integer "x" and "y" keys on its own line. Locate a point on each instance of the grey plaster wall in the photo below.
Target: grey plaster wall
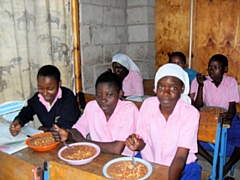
{"x": 108, "y": 27}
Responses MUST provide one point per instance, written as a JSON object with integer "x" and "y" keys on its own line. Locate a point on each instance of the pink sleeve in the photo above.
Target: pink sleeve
{"x": 82, "y": 123}
{"x": 189, "y": 130}
{"x": 143, "y": 119}
{"x": 138, "y": 85}
{"x": 233, "y": 91}
{"x": 194, "y": 86}
{"x": 127, "y": 121}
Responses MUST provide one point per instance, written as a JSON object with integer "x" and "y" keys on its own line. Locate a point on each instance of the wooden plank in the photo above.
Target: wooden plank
{"x": 205, "y": 175}
{"x": 207, "y": 127}
{"x": 89, "y": 97}
{"x": 217, "y": 32}
{"x": 63, "y": 172}
{"x": 148, "y": 85}
{"x": 14, "y": 168}
{"x": 172, "y": 20}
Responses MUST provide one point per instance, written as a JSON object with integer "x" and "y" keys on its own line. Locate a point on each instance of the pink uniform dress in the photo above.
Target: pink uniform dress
{"x": 220, "y": 96}
{"x": 133, "y": 84}
{"x": 121, "y": 124}
{"x": 163, "y": 137}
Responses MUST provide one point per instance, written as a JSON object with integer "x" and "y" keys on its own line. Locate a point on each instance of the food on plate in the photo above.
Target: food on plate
{"x": 42, "y": 140}
{"x": 212, "y": 110}
{"x": 78, "y": 152}
{"x": 122, "y": 170}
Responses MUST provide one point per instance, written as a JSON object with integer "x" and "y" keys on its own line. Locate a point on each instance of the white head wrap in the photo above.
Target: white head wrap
{"x": 174, "y": 70}
{"x": 125, "y": 61}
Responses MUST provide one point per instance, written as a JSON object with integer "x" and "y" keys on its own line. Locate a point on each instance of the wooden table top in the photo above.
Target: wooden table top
{"x": 95, "y": 167}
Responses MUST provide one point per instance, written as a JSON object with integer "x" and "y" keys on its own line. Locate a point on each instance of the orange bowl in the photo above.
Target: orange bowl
{"x": 41, "y": 148}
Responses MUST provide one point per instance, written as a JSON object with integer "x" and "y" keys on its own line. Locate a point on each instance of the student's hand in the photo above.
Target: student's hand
{"x": 227, "y": 117}
{"x": 133, "y": 142}
{"x": 200, "y": 79}
{"x": 76, "y": 136}
{"x": 43, "y": 128}
{"x": 15, "y": 127}
{"x": 59, "y": 134}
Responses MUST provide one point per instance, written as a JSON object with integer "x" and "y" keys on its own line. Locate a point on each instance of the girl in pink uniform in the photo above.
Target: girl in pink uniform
{"x": 130, "y": 74}
{"x": 108, "y": 120}
{"x": 168, "y": 124}
{"x": 219, "y": 90}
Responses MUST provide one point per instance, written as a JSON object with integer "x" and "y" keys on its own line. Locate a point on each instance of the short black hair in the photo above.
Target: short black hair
{"x": 49, "y": 71}
{"x": 179, "y": 54}
{"x": 109, "y": 77}
{"x": 220, "y": 58}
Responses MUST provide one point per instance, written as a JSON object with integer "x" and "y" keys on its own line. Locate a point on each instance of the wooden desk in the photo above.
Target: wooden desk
{"x": 95, "y": 167}
{"x": 20, "y": 165}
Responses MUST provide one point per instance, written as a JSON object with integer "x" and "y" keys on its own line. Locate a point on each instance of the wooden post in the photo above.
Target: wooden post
{"x": 76, "y": 45}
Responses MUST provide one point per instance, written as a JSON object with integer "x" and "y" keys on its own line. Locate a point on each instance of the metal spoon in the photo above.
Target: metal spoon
{"x": 133, "y": 160}
{"x": 67, "y": 145}
{"x": 27, "y": 135}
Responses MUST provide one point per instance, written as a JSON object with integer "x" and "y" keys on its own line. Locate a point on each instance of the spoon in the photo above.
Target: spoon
{"x": 27, "y": 135}
{"x": 133, "y": 160}
{"x": 67, "y": 145}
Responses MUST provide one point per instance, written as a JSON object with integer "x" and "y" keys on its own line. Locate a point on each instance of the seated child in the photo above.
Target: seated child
{"x": 219, "y": 90}
{"x": 108, "y": 119}
{"x": 167, "y": 125}
{"x": 129, "y": 73}
{"x": 52, "y": 103}
{"x": 180, "y": 59}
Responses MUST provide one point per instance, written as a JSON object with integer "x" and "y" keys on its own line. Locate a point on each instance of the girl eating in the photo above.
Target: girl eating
{"x": 219, "y": 90}
{"x": 108, "y": 119}
{"x": 168, "y": 124}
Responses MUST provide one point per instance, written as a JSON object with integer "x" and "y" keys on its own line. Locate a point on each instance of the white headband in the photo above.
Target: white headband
{"x": 125, "y": 61}
{"x": 174, "y": 70}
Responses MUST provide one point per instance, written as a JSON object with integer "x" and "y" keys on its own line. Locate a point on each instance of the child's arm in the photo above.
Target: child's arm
{"x": 228, "y": 116}
{"x": 178, "y": 163}
{"x": 199, "y": 99}
{"x": 115, "y": 147}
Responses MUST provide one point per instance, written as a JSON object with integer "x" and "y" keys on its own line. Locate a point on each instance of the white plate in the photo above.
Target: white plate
{"x": 149, "y": 166}
{"x": 80, "y": 162}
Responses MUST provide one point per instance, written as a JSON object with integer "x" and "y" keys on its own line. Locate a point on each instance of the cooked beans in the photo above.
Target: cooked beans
{"x": 79, "y": 152}
{"x": 212, "y": 110}
{"x": 125, "y": 170}
{"x": 42, "y": 140}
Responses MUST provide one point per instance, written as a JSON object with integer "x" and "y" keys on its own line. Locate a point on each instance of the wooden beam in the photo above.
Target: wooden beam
{"x": 76, "y": 46}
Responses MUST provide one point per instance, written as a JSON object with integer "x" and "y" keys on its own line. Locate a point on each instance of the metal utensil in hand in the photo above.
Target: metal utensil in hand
{"x": 133, "y": 160}
{"x": 65, "y": 144}
{"x": 27, "y": 134}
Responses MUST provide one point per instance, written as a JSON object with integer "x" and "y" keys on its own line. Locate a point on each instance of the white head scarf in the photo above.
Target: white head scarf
{"x": 174, "y": 70}
{"x": 125, "y": 61}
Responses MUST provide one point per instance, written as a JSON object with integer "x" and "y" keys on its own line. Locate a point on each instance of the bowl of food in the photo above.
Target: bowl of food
{"x": 79, "y": 153}
{"x": 42, "y": 142}
{"x": 122, "y": 168}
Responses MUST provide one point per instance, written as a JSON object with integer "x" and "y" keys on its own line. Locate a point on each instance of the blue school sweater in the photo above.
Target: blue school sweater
{"x": 64, "y": 113}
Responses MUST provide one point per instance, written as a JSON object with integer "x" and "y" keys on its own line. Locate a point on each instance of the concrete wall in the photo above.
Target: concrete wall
{"x": 108, "y": 27}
